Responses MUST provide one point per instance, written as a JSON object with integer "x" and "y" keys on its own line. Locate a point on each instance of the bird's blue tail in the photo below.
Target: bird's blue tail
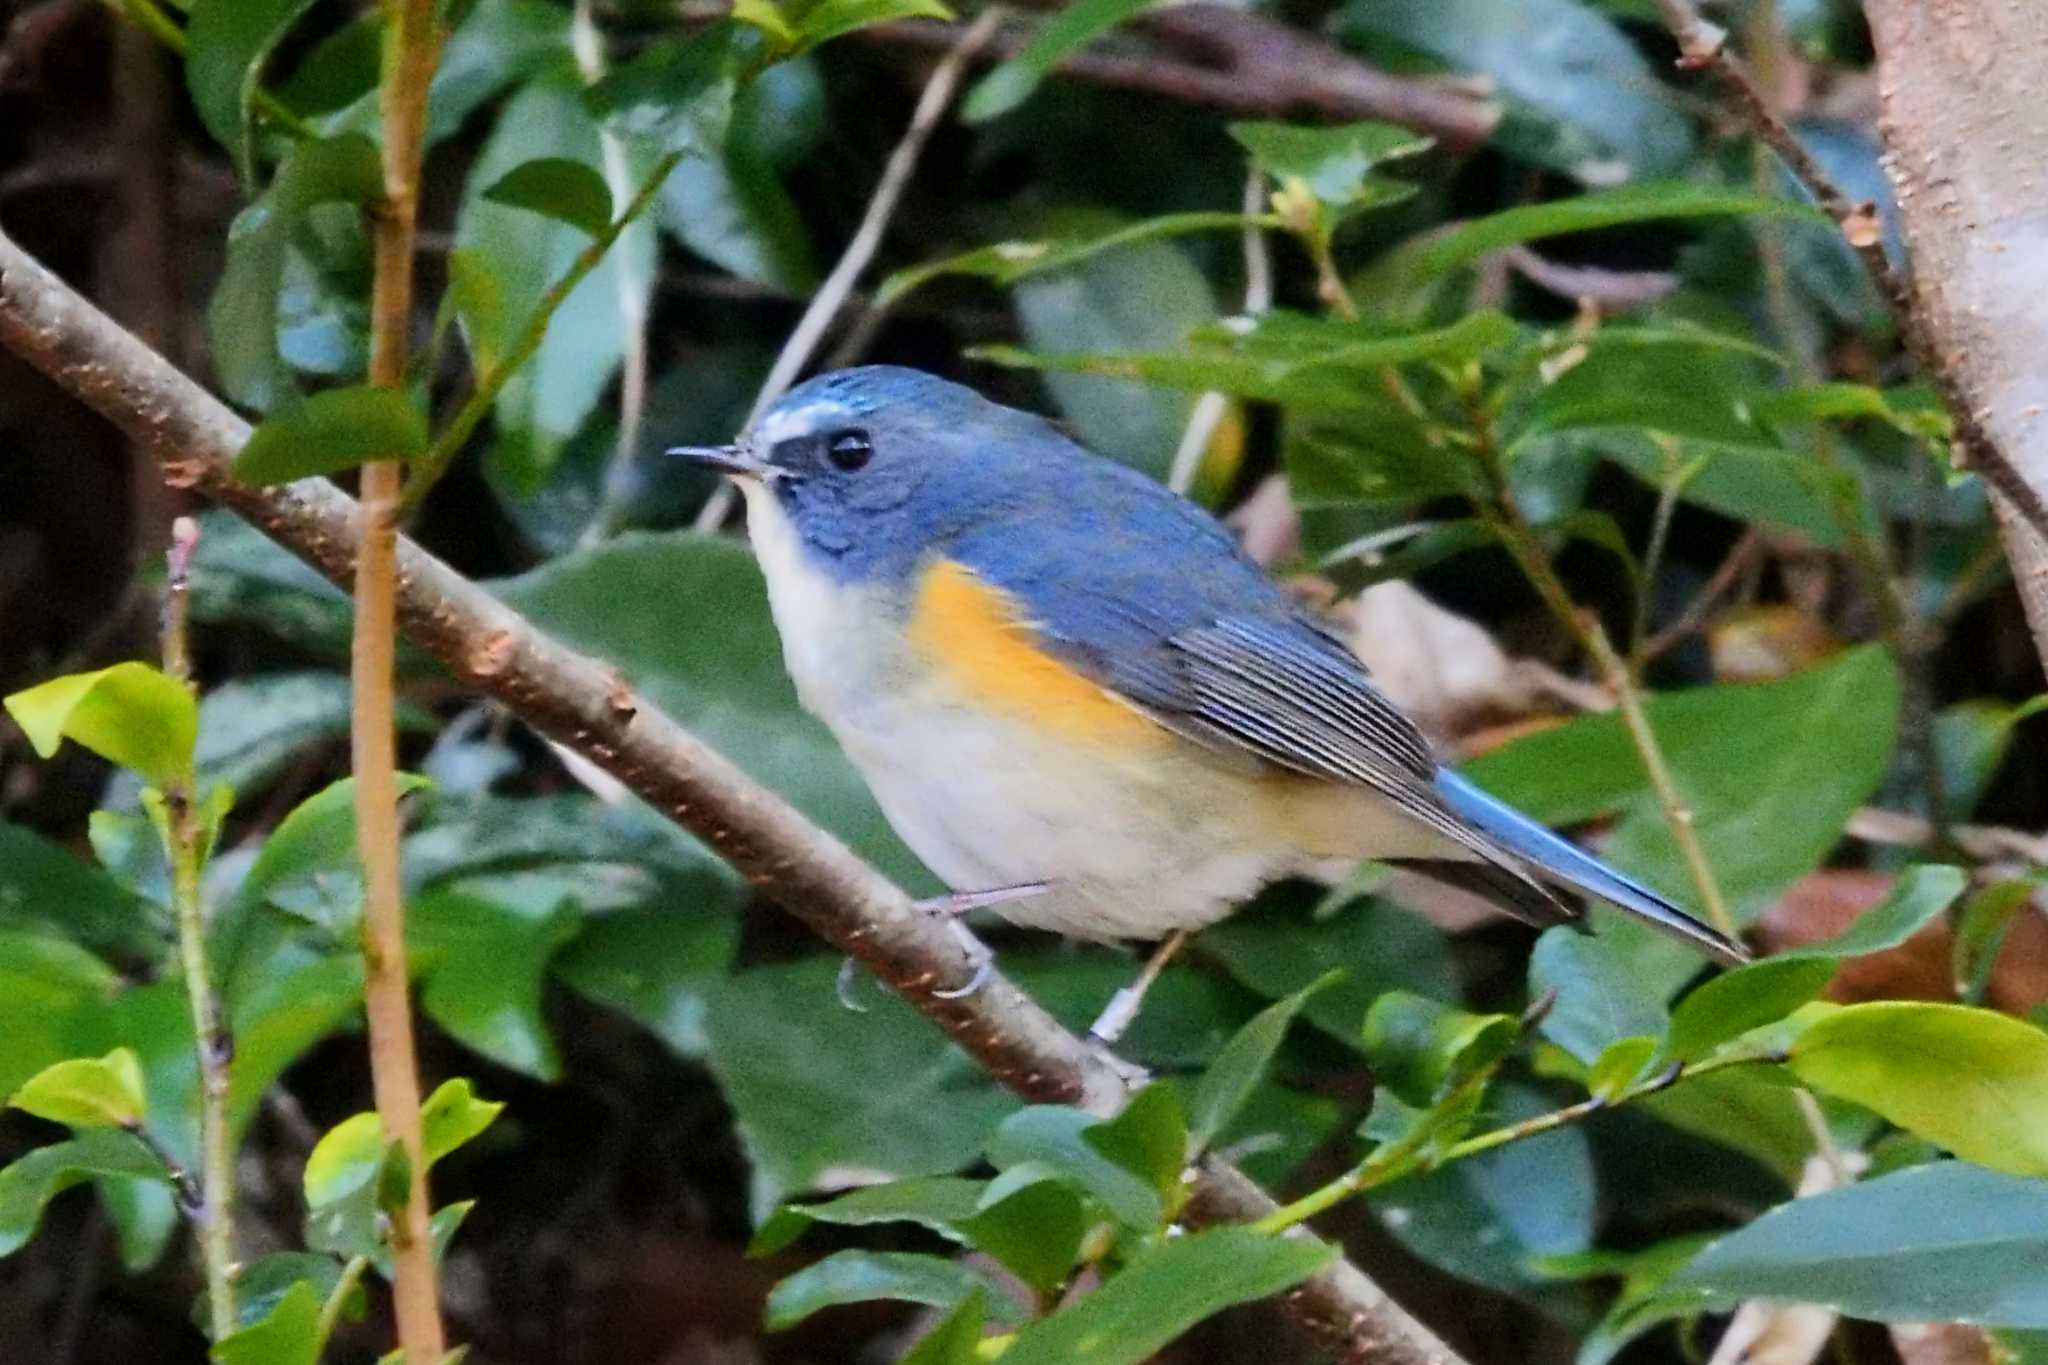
{"x": 1558, "y": 859}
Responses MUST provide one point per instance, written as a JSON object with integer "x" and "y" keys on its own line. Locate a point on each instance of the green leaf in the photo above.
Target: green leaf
{"x": 863, "y": 1276}
{"x": 485, "y": 964}
{"x": 712, "y": 660}
{"x": 288, "y": 1335}
{"x": 1611, "y": 984}
{"x": 344, "y": 1159}
{"x": 557, "y": 187}
{"x": 1034, "y": 1228}
{"x": 768, "y": 1027}
{"x": 500, "y": 42}
{"x": 261, "y": 1284}
{"x": 227, "y": 43}
{"x": 1005, "y": 263}
{"x": 130, "y": 714}
{"x": 937, "y": 1202}
{"x": 515, "y": 257}
{"x": 678, "y": 93}
{"x": 453, "y": 1115}
{"x": 1241, "y": 1065}
{"x": 1069, "y": 30}
{"x": 1419, "y": 1047}
{"x": 334, "y": 430}
{"x": 1280, "y": 944}
{"x": 250, "y": 728}
{"x": 1053, "y": 1138}
{"x": 833, "y": 18}
{"x": 1165, "y": 1292}
{"x": 1620, "y": 1065}
{"x": 1149, "y": 1138}
{"x": 29, "y": 1184}
{"x": 1972, "y": 1080}
{"x": 43, "y": 978}
{"x": 1655, "y": 200}
{"x": 44, "y": 886}
{"x": 1920, "y": 893}
{"x": 656, "y": 966}
{"x": 87, "y": 1092}
{"x": 1981, "y": 927}
{"x": 1146, "y": 293}
{"x": 1946, "y": 1242}
{"x": 1771, "y": 771}
{"x": 242, "y": 316}
{"x": 958, "y": 1334}
{"x": 1749, "y": 997}
{"x": 1333, "y": 162}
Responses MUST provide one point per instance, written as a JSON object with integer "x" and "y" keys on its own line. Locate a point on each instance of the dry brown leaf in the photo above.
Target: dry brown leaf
{"x": 1756, "y": 644}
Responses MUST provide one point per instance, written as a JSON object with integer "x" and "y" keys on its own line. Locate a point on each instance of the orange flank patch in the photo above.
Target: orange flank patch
{"x": 977, "y": 637}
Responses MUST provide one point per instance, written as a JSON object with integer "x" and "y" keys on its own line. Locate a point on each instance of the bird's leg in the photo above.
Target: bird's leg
{"x": 950, "y": 908}
{"x": 1122, "y": 1008}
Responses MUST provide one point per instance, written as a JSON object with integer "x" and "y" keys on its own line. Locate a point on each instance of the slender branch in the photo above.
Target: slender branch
{"x": 1231, "y": 59}
{"x": 434, "y": 463}
{"x": 588, "y": 707}
{"x": 411, "y": 50}
{"x": 1704, "y": 45}
{"x": 1211, "y": 408}
{"x": 214, "y": 1213}
{"x": 867, "y": 238}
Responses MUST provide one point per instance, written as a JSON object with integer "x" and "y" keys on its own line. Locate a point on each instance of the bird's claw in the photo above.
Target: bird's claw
{"x": 978, "y": 953}
{"x": 843, "y": 986}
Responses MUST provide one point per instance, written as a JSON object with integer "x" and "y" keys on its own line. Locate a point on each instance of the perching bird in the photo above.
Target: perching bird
{"x": 1051, "y": 670}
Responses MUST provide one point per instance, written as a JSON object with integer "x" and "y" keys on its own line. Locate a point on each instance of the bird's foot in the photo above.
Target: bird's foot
{"x": 950, "y": 908}
{"x": 1122, "y": 1008}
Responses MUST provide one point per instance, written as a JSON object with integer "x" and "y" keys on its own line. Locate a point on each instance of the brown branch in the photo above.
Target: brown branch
{"x": 412, "y": 48}
{"x": 1242, "y": 63}
{"x": 1705, "y": 46}
{"x": 590, "y": 708}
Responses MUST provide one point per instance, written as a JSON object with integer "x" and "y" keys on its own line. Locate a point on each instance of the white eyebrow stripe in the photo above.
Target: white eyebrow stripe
{"x": 780, "y": 424}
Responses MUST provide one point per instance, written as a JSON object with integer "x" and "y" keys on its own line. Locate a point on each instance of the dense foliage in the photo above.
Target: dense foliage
{"x": 1605, "y": 381}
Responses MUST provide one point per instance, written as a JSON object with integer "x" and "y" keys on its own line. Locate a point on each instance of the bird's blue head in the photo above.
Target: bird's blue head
{"x": 873, "y": 468}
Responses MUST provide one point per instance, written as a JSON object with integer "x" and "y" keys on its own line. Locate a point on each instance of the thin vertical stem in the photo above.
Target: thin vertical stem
{"x": 412, "y": 46}
{"x": 214, "y": 1213}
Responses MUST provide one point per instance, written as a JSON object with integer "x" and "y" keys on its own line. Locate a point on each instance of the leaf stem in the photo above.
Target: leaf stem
{"x": 337, "y": 1301}
{"x": 412, "y": 47}
{"x": 1504, "y": 516}
{"x": 213, "y": 1213}
{"x": 430, "y": 466}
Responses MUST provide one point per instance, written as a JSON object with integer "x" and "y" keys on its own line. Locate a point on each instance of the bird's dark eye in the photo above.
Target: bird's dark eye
{"x": 849, "y": 450}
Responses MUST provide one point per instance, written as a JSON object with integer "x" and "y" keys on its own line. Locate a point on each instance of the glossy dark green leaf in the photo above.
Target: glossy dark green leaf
{"x": 661, "y": 965}
{"x": 1980, "y": 931}
{"x": 1972, "y": 1080}
{"x": 769, "y": 1026}
{"x": 1947, "y": 1242}
{"x": 557, "y": 187}
{"x": 1418, "y": 1046}
{"x": 227, "y": 43}
{"x": 1165, "y": 1292}
{"x": 1749, "y": 997}
{"x": 242, "y": 318}
{"x": 1770, "y": 771}
{"x": 937, "y": 1202}
{"x": 1241, "y": 1065}
{"x": 1611, "y": 984}
{"x": 331, "y": 431}
{"x": 831, "y": 19}
{"x": 251, "y": 727}
{"x": 32, "y": 1181}
{"x": 958, "y": 1334}
{"x": 497, "y": 43}
{"x": 863, "y": 1276}
{"x": 1332, "y": 162}
{"x": 341, "y": 69}
{"x": 1069, "y": 30}
{"x": 288, "y": 1335}
{"x": 1920, "y": 893}
{"x": 1149, "y": 1138}
{"x": 1005, "y": 263}
{"x": 46, "y": 887}
{"x": 42, "y": 979}
{"x": 485, "y": 964}
{"x": 1655, "y": 200}
{"x": 129, "y": 714}
{"x": 1052, "y": 1138}
{"x": 1035, "y": 1229}
{"x": 1284, "y": 944}
{"x": 262, "y": 1283}
{"x": 733, "y": 209}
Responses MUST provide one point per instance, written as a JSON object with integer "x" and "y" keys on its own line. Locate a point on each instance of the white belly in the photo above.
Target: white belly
{"x": 1135, "y": 847}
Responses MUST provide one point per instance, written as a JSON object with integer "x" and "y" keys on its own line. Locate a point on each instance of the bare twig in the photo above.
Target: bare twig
{"x": 1240, "y": 62}
{"x": 831, "y": 296}
{"x": 1705, "y": 45}
{"x": 1211, "y": 408}
{"x": 583, "y": 703}
{"x": 411, "y": 49}
{"x": 1694, "y": 614}
{"x": 1611, "y": 291}
{"x": 214, "y": 1214}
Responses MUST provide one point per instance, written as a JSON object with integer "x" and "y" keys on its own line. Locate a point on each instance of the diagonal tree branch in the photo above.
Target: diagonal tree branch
{"x": 581, "y": 703}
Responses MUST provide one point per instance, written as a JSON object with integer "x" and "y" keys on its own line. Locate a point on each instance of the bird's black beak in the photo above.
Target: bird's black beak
{"x": 725, "y": 460}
